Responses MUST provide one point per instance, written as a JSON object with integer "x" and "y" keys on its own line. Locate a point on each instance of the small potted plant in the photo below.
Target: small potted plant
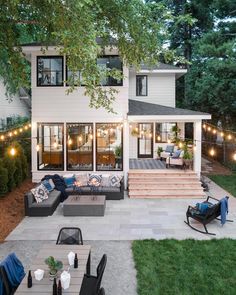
{"x": 118, "y": 152}
{"x": 187, "y": 157}
{"x": 159, "y": 151}
{"x": 54, "y": 266}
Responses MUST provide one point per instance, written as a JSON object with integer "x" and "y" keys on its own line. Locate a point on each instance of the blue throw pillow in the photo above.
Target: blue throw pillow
{"x": 169, "y": 149}
{"x": 69, "y": 181}
{"x": 48, "y": 186}
{"x": 176, "y": 154}
{"x": 203, "y": 207}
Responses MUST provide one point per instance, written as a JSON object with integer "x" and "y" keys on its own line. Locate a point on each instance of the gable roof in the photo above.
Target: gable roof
{"x": 140, "y": 108}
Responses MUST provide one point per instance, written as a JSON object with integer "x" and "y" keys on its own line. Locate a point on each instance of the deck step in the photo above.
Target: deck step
{"x": 164, "y": 184}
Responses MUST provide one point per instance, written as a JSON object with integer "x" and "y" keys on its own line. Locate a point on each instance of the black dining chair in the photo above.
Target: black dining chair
{"x": 91, "y": 284}
{"x": 101, "y": 292}
{"x": 70, "y": 236}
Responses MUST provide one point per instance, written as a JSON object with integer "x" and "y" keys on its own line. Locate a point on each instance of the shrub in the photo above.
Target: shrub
{"x": 9, "y": 164}
{"x": 3, "y": 179}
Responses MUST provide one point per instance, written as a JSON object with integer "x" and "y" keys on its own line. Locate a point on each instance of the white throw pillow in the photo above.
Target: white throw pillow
{"x": 115, "y": 180}
{"x": 40, "y": 193}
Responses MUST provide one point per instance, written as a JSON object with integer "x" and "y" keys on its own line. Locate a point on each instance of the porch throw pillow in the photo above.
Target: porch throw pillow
{"x": 115, "y": 180}
{"x": 176, "y": 154}
{"x": 69, "y": 181}
{"x": 48, "y": 186}
{"x": 105, "y": 180}
{"x": 82, "y": 179}
{"x": 169, "y": 149}
{"x": 203, "y": 207}
{"x": 94, "y": 180}
{"x": 40, "y": 193}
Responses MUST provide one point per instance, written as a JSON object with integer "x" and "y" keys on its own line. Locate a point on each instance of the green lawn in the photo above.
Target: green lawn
{"x": 228, "y": 182}
{"x": 185, "y": 267}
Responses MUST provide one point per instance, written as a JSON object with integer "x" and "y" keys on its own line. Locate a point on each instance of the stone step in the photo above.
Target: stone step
{"x": 163, "y": 179}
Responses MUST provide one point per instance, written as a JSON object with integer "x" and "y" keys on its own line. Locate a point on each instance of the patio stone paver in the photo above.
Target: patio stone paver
{"x": 129, "y": 219}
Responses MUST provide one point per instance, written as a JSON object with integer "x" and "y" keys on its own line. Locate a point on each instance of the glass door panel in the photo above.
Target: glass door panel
{"x": 145, "y": 140}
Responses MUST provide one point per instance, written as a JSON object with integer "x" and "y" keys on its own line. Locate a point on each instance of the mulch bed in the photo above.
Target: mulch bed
{"x": 12, "y": 208}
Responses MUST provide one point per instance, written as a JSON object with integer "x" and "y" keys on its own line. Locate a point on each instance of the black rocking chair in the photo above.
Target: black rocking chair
{"x": 213, "y": 212}
{"x": 7, "y": 289}
{"x": 70, "y": 236}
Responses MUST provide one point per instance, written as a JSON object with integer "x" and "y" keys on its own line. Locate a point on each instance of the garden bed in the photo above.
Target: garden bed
{"x": 185, "y": 267}
{"x": 12, "y": 208}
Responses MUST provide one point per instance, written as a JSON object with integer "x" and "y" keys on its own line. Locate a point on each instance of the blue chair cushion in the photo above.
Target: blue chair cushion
{"x": 176, "y": 154}
{"x": 169, "y": 149}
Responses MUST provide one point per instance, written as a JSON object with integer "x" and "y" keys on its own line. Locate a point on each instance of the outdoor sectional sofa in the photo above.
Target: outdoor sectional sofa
{"x": 48, "y": 206}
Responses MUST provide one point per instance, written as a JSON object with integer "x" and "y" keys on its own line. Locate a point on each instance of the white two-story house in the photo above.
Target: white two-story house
{"x": 69, "y": 136}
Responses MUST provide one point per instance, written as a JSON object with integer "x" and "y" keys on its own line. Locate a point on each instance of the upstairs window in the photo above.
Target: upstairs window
{"x": 110, "y": 62}
{"x": 50, "y": 71}
{"x": 141, "y": 85}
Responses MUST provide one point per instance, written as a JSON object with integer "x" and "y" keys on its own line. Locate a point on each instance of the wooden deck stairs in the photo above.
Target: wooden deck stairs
{"x": 163, "y": 183}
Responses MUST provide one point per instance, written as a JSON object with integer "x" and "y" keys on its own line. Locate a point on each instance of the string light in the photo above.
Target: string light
{"x": 150, "y": 135}
{"x": 158, "y": 138}
{"x": 21, "y": 130}
{"x": 37, "y": 148}
{"x": 12, "y": 151}
{"x": 222, "y": 134}
{"x": 91, "y": 136}
{"x": 15, "y": 132}
{"x": 234, "y": 156}
{"x": 180, "y": 145}
{"x": 2, "y": 137}
{"x": 212, "y": 152}
{"x": 70, "y": 141}
{"x": 10, "y": 134}
{"x": 55, "y": 144}
{"x": 214, "y": 131}
{"x": 204, "y": 126}
{"x": 168, "y": 141}
{"x": 229, "y": 136}
{"x": 80, "y": 138}
{"x": 26, "y": 127}
{"x": 209, "y": 128}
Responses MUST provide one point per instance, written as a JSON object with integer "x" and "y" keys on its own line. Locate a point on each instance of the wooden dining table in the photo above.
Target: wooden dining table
{"x": 59, "y": 252}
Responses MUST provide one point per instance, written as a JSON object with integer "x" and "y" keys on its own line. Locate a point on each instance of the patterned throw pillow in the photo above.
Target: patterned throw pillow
{"x": 52, "y": 183}
{"x": 48, "y": 186}
{"x": 94, "y": 180}
{"x": 40, "y": 193}
{"x": 115, "y": 180}
{"x": 82, "y": 179}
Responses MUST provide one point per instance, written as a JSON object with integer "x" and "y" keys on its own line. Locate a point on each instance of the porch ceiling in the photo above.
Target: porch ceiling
{"x": 139, "y": 108}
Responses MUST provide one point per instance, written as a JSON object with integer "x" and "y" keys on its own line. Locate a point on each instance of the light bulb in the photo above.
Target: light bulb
{"x": 209, "y": 128}
{"x": 158, "y": 138}
{"x": 10, "y": 134}
{"x": 150, "y": 135}
{"x": 2, "y": 137}
{"x": 229, "y": 136}
{"x": 26, "y": 127}
{"x": 214, "y": 131}
{"x": 168, "y": 141}
{"x": 204, "y": 126}
{"x": 21, "y": 130}
{"x": 15, "y": 132}
{"x": 180, "y": 145}
{"x": 222, "y": 134}
{"x": 55, "y": 144}
{"x": 234, "y": 156}
{"x": 70, "y": 141}
{"x": 212, "y": 152}
{"x": 194, "y": 148}
{"x": 29, "y": 125}
{"x": 13, "y": 151}
{"x": 37, "y": 147}
{"x": 80, "y": 138}
{"x": 91, "y": 136}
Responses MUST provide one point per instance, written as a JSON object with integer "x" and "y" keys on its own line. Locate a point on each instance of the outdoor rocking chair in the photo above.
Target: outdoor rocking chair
{"x": 213, "y": 212}
{"x": 70, "y": 236}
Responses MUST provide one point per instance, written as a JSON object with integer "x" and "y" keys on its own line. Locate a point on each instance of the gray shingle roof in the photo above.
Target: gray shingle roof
{"x": 160, "y": 66}
{"x": 139, "y": 108}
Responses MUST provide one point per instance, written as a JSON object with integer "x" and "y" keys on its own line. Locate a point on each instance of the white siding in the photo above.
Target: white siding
{"x": 161, "y": 88}
{"x": 52, "y": 104}
{"x": 16, "y": 107}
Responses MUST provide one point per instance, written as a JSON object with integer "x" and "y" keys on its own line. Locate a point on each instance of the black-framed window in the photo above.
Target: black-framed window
{"x": 109, "y": 62}
{"x": 50, "y": 146}
{"x": 50, "y": 71}
{"x": 109, "y": 146}
{"x": 141, "y": 85}
{"x": 164, "y": 132}
{"x": 80, "y": 146}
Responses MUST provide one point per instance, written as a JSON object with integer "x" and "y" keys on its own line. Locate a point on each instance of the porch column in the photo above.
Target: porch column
{"x": 198, "y": 145}
{"x": 126, "y": 151}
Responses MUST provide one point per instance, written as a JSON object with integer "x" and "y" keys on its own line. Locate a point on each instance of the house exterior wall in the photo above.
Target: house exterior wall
{"x": 53, "y": 105}
{"x": 161, "y": 88}
{"x": 16, "y": 107}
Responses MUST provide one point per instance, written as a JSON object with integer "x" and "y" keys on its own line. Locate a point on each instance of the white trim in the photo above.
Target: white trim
{"x": 169, "y": 118}
{"x": 163, "y": 71}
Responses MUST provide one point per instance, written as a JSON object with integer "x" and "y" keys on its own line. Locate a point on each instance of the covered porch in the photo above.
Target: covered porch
{"x": 152, "y": 127}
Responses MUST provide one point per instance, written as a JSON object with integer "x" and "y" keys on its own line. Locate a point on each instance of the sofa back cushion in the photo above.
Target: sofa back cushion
{"x": 48, "y": 185}
{"x": 169, "y": 148}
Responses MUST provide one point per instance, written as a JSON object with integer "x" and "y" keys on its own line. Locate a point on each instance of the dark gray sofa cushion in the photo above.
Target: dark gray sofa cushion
{"x": 52, "y": 198}
{"x": 110, "y": 189}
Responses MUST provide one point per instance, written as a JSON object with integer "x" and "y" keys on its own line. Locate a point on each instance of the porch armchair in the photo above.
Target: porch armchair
{"x": 167, "y": 152}
{"x": 176, "y": 159}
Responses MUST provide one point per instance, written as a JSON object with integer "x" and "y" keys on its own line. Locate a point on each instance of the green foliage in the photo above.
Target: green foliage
{"x": 175, "y": 134}
{"x": 75, "y": 26}
{"x": 118, "y": 151}
{"x": 187, "y": 154}
{"x": 227, "y": 182}
{"x": 4, "y": 179}
{"x": 185, "y": 267}
{"x": 159, "y": 150}
{"x": 53, "y": 264}
{"x": 9, "y": 164}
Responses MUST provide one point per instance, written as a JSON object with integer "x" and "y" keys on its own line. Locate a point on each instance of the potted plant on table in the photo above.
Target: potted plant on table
{"x": 54, "y": 266}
